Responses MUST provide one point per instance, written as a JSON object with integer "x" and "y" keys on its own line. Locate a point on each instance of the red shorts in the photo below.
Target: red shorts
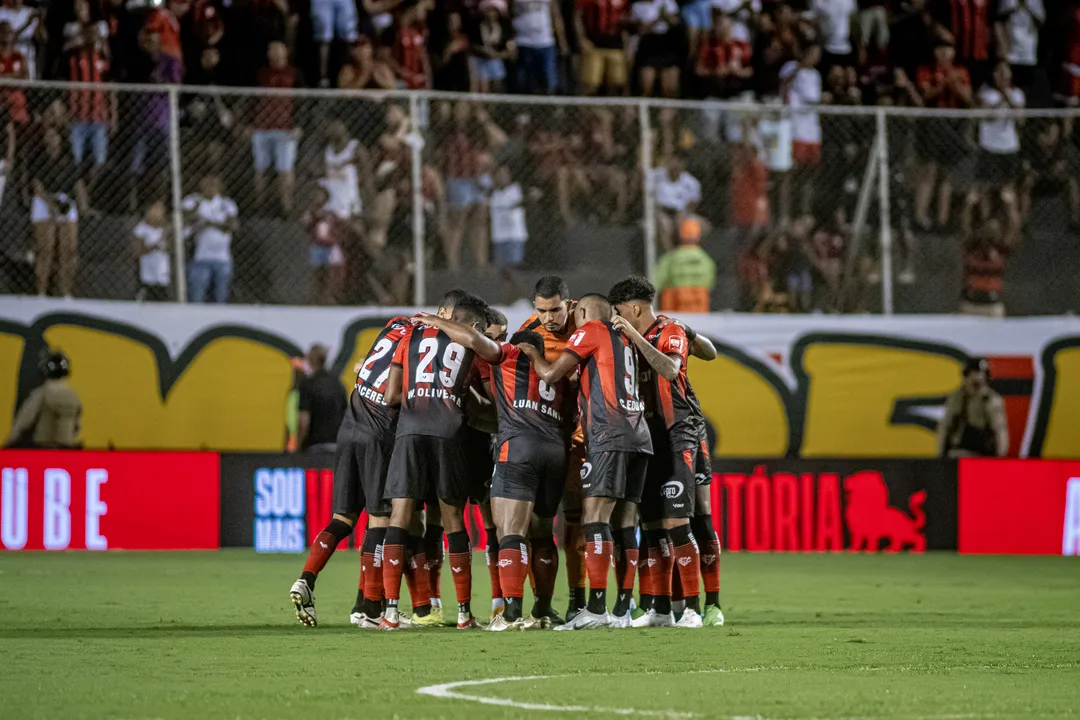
{"x": 805, "y": 153}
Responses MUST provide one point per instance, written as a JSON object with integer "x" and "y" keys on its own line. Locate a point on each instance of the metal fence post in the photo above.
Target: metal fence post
{"x": 886, "y": 223}
{"x": 416, "y": 143}
{"x": 647, "y": 188}
{"x": 177, "y": 194}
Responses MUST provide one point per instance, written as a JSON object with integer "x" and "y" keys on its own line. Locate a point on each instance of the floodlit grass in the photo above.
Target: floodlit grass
{"x": 209, "y": 635}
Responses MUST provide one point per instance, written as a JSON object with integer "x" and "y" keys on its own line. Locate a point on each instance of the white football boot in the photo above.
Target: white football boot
{"x": 303, "y": 600}
{"x": 690, "y": 619}
{"x": 620, "y": 621}
{"x": 586, "y": 620}
{"x": 653, "y": 619}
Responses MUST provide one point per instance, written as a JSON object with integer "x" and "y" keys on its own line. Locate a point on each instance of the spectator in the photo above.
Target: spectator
{"x": 362, "y": 71}
{"x": 874, "y": 30}
{"x": 658, "y": 51}
{"x": 613, "y": 164}
{"x": 686, "y": 275}
{"x": 208, "y": 128}
{"x": 509, "y": 232}
{"x": 325, "y": 255}
{"x": 999, "y": 143}
{"x": 162, "y": 24}
{"x": 150, "y": 158}
{"x": 1051, "y": 165}
{"x": 94, "y": 112}
{"x": 54, "y": 212}
{"x": 724, "y": 65}
{"x": 801, "y": 83}
{"x": 330, "y": 19}
{"x": 839, "y": 21}
{"x": 410, "y": 56}
{"x": 211, "y": 220}
{"x": 970, "y": 28}
{"x": 13, "y": 114}
{"x": 974, "y": 423}
{"x": 940, "y": 145}
{"x": 274, "y": 132}
{"x": 322, "y": 405}
{"x": 466, "y": 167}
{"x": 755, "y": 283}
{"x": 697, "y": 18}
{"x": 452, "y": 68}
{"x": 791, "y": 267}
{"x": 52, "y": 414}
{"x": 601, "y": 27}
{"x": 913, "y": 35}
{"x": 252, "y": 26}
{"x": 676, "y": 194}
{"x": 540, "y": 36}
{"x": 494, "y": 47}
{"x": 28, "y": 31}
{"x": 151, "y": 244}
{"x": 987, "y": 246}
{"x": 1018, "y": 25}
{"x": 346, "y": 171}
{"x": 749, "y": 189}
{"x": 826, "y": 253}
{"x": 777, "y": 43}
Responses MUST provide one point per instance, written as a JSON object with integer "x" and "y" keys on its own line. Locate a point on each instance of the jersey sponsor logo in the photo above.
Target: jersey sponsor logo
{"x": 586, "y": 468}
{"x": 673, "y": 489}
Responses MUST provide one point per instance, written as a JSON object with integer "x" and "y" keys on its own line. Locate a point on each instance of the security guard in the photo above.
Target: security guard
{"x": 51, "y": 416}
{"x": 974, "y": 423}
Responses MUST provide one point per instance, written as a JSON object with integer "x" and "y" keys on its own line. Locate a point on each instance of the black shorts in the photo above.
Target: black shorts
{"x": 669, "y": 485}
{"x": 703, "y": 465}
{"x": 360, "y": 468}
{"x": 997, "y": 169}
{"x": 531, "y": 470}
{"x": 617, "y": 474}
{"x": 423, "y": 465}
{"x": 479, "y": 464}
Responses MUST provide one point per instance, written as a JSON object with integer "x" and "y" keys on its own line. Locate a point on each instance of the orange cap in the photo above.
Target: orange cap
{"x": 690, "y": 230}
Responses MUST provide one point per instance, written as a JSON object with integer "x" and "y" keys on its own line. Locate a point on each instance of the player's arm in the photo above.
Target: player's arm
{"x": 700, "y": 346}
{"x": 667, "y": 366}
{"x": 549, "y": 371}
{"x": 466, "y": 336}
{"x": 480, "y": 412}
{"x": 392, "y": 394}
{"x": 27, "y": 417}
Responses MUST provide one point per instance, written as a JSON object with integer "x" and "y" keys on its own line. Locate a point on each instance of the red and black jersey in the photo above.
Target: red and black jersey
{"x": 368, "y": 406}
{"x": 436, "y": 375}
{"x": 89, "y": 66}
{"x": 612, "y": 412}
{"x": 528, "y": 406}
{"x": 605, "y": 22}
{"x": 671, "y": 407}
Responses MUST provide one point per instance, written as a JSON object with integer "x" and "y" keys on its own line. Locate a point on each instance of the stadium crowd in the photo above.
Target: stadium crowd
{"x": 340, "y": 168}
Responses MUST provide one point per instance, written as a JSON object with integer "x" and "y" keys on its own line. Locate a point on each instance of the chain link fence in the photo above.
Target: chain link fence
{"x": 309, "y": 197}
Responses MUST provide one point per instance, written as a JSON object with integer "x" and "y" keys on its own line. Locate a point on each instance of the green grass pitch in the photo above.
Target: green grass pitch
{"x": 212, "y": 635}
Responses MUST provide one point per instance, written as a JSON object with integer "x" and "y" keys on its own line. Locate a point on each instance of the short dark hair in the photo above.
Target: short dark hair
{"x": 456, "y": 296}
{"x": 495, "y": 317}
{"x": 471, "y": 310}
{"x": 528, "y": 337}
{"x": 550, "y": 286}
{"x": 593, "y": 297}
{"x": 634, "y": 287}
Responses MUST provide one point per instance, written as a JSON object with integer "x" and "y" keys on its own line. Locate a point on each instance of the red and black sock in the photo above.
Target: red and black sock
{"x": 394, "y": 563}
{"x": 322, "y": 548}
{"x": 513, "y": 567}
{"x": 648, "y": 567}
{"x": 626, "y": 562}
{"x": 574, "y": 549}
{"x": 688, "y": 564}
{"x": 433, "y": 548}
{"x": 662, "y": 577}
{"x": 544, "y": 562}
{"x": 371, "y": 563}
{"x": 709, "y": 544}
{"x": 599, "y": 549}
{"x": 416, "y": 576}
{"x": 492, "y": 555}
{"x": 461, "y": 567}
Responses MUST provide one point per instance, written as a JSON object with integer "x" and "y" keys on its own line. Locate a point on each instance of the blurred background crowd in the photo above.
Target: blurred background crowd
{"x": 754, "y": 205}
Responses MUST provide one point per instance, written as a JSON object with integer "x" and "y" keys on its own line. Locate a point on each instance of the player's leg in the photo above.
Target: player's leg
{"x": 709, "y": 543}
{"x": 434, "y": 551}
{"x": 511, "y": 517}
{"x": 492, "y": 556}
{"x": 573, "y": 540}
{"x": 659, "y": 560}
{"x": 372, "y": 456}
{"x": 625, "y": 522}
{"x": 452, "y": 489}
{"x": 406, "y": 485}
{"x": 551, "y": 462}
{"x": 678, "y": 508}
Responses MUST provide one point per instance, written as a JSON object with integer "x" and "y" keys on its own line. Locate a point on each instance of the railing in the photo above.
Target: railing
{"x": 394, "y": 197}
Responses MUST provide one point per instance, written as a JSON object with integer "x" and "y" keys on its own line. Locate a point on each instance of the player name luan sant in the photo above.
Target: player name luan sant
{"x": 434, "y": 394}
{"x": 538, "y": 407}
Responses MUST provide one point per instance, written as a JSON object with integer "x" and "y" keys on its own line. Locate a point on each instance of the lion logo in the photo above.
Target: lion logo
{"x": 870, "y": 518}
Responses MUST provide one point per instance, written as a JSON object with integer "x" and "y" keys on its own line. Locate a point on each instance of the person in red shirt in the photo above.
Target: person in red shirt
{"x": 410, "y": 54}
{"x": 12, "y": 102}
{"x": 274, "y": 133}
{"x": 164, "y": 23}
{"x": 723, "y": 64}
{"x": 603, "y": 32}
{"x": 93, "y": 112}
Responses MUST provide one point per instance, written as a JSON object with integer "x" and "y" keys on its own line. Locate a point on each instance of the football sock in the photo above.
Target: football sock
{"x": 709, "y": 544}
{"x": 461, "y": 567}
{"x": 416, "y": 576}
{"x": 544, "y": 562}
{"x": 513, "y": 566}
{"x": 393, "y": 564}
{"x": 648, "y": 569}
{"x": 371, "y": 563}
{"x": 599, "y": 547}
{"x": 492, "y": 556}
{"x": 322, "y": 548}
{"x": 662, "y": 576}
{"x": 574, "y": 548}
{"x": 688, "y": 565}
{"x": 626, "y": 561}
{"x": 433, "y": 548}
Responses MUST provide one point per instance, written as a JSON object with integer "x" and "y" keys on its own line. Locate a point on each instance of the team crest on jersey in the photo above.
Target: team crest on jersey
{"x": 672, "y": 489}
{"x": 586, "y": 468}
{"x": 675, "y": 343}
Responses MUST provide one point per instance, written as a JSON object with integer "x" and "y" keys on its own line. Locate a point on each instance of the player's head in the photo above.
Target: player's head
{"x": 551, "y": 300}
{"x": 496, "y": 325}
{"x": 976, "y": 374}
{"x": 55, "y": 365}
{"x": 528, "y": 337}
{"x": 450, "y": 301}
{"x": 593, "y": 306}
{"x": 471, "y": 311}
{"x": 633, "y": 298}
{"x": 316, "y": 357}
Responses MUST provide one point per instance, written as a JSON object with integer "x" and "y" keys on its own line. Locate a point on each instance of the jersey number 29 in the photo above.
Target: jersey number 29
{"x": 451, "y": 362}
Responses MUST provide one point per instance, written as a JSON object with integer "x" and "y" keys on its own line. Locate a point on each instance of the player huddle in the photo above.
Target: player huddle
{"x": 588, "y": 406}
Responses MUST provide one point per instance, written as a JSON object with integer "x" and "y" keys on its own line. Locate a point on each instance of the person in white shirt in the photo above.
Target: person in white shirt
{"x": 744, "y": 17}
{"x": 999, "y": 143}
{"x": 26, "y": 22}
{"x": 801, "y": 86}
{"x": 152, "y": 250}
{"x": 508, "y": 229}
{"x": 1017, "y": 29}
{"x": 676, "y": 195}
{"x": 539, "y": 35}
{"x": 211, "y": 219}
{"x": 838, "y": 20}
{"x": 345, "y": 167}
